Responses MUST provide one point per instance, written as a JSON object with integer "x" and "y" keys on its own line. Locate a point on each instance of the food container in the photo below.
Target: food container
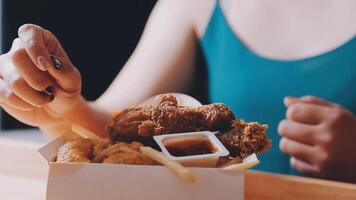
{"x": 193, "y": 149}
{"x": 92, "y": 181}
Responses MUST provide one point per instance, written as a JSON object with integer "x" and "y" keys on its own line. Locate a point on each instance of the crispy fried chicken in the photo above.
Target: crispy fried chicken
{"x": 245, "y": 138}
{"x": 141, "y": 123}
{"x": 86, "y": 150}
{"x": 77, "y": 150}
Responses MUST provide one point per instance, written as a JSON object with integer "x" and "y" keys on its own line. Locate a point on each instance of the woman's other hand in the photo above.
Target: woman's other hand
{"x": 33, "y": 88}
{"x": 320, "y": 137}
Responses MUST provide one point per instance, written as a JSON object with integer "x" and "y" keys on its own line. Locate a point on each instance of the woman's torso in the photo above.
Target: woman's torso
{"x": 283, "y": 30}
{"x": 258, "y": 53}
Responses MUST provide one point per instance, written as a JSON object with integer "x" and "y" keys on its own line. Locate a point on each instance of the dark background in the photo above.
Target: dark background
{"x": 96, "y": 35}
{"x": 99, "y": 37}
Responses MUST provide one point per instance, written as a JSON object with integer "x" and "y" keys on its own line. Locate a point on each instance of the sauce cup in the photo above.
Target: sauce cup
{"x": 192, "y": 149}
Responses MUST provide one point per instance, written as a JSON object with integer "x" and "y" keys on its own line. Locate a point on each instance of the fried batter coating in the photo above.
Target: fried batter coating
{"x": 140, "y": 123}
{"x": 123, "y": 153}
{"x": 100, "y": 146}
{"x": 82, "y": 150}
{"x": 245, "y": 138}
{"x": 135, "y": 126}
{"x": 78, "y": 150}
{"x": 129, "y": 158}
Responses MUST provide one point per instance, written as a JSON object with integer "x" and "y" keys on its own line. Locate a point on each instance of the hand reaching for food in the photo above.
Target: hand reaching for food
{"x": 319, "y": 136}
{"x": 38, "y": 84}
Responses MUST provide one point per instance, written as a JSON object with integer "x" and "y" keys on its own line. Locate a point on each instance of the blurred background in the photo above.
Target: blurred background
{"x": 79, "y": 26}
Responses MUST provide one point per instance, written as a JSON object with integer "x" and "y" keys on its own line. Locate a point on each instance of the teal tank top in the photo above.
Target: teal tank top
{"x": 254, "y": 86}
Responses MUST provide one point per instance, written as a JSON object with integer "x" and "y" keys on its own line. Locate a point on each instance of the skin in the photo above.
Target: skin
{"x": 320, "y": 138}
{"x": 314, "y": 131}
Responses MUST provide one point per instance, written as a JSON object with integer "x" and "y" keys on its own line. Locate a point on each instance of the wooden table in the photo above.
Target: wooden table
{"x": 23, "y": 175}
{"x": 23, "y": 172}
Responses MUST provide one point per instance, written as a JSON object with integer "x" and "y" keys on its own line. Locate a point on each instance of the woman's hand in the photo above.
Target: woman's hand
{"x": 33, "y": 88}
{"x": 320, "y": 137}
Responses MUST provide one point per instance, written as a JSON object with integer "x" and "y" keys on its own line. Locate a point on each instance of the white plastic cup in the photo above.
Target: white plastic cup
{"x": 200, "y": 160}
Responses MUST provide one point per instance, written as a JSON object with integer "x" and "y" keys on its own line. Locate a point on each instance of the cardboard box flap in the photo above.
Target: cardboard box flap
{"x": 114, "y": 181}
{"x": 136, "y": 182}
{"x": 49, "y": 151}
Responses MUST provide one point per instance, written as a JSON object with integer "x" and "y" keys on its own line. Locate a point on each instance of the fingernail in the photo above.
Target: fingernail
{"x": 42, "y": 63}
{"x": 290, "y": 97}
{"x": 57, "y": 63}
{"x": 51, "y": 98}
{"x": 49, "y": 90}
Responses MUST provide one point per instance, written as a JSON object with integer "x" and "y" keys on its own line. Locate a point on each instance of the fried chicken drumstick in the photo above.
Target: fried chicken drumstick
{"x": 141, "y": 123}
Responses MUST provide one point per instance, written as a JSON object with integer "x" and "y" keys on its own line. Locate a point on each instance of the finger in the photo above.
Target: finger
{"x": 303, "y": 167}
{"x": 9, "y": 98}
{"x": 307, "y": 113}
{"x": 7, "y": 68}
{"x": 315, "y": 100}
{"x": 34, "y": 41}
{"x": 28, "y": 94}
{"x": 19, "y": 86}
{"x": 307, "y": 99}
{"x": 296, "y": 131}
{"x": 22, "y": 115}
{"x": 37, "y": 79}
{"x": 39, "y": 44}
{"x": 61, "y": 68}
{"x": 289, "y": 100}
{"x": 296, "y": 149}
{"x": 16, "y": 44}
{"x": 66, "y": 75}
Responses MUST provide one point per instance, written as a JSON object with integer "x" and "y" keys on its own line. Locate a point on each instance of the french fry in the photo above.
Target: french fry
{"x": 110, "y": 150}
{"x": 236, "y": 160}
{"x": 69, "y": 135}
{"x": 246, "y": 164}
{"x": 183, "y": 172}
{"x": 86, "y": 133}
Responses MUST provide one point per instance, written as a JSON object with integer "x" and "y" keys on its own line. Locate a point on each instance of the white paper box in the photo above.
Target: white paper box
{"x": 92, "y": 181}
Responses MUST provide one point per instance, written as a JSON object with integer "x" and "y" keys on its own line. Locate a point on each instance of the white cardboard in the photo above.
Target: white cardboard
{"x": 91, "y": 181}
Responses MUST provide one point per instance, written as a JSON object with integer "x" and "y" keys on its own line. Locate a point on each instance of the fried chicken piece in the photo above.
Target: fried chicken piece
{"x": 245, "y": 138}
{"x": 81, "y": 150}
{"x": 78, "y": 150}
{"x": 140, "y": 123}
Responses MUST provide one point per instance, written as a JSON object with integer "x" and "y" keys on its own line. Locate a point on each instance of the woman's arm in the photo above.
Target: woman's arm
{"x": 162, "y": 62}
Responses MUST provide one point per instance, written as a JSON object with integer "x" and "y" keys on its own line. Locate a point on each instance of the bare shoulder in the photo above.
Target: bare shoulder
{"x": 191, "y": 14}
{"x": 200, "y": 12}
